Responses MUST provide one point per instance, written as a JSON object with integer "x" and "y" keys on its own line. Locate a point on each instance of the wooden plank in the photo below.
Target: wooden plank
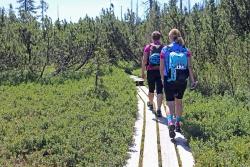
{"x": 135, "y": 149}
{"x": 150, "y": 154}
{"x": 133, "y": 76}
{"x": 137, "y": 80}
{"x": 185, "y": 153}
{"x": 168, "y": 152}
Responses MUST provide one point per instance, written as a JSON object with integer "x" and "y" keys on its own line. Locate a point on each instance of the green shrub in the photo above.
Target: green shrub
{"x": 68, "y": 123}
{"x": 218, "y": 129}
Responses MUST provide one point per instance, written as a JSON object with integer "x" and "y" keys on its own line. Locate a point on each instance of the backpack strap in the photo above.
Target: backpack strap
{"x": 150, "y": 45}
{"x": 170, "y": 48}
{"x": 153, "y": 45}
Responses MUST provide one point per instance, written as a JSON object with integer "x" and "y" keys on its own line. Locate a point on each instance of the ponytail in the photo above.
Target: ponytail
{"x": 176, "y": 35}
{"x": 180, "y": 41}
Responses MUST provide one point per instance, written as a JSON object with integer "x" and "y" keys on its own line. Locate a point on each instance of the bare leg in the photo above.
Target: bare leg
{"x": 178, "y": 111}
{"x": 171, "y": 107}
{"x": 178, "y": 107}
{"x": 150, "y": 97}
{"x": 159, "y": 101}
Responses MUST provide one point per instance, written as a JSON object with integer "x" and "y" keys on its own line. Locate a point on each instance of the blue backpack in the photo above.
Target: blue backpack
{"x": 177, "y": 65}
{"x": 154, "y": 57}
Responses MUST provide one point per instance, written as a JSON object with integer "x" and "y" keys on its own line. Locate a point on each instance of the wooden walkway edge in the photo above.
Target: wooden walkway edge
{"x": 152, "y": 144}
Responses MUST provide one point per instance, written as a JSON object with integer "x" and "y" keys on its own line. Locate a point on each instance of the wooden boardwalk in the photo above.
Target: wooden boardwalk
{"x": 152, "y": 144}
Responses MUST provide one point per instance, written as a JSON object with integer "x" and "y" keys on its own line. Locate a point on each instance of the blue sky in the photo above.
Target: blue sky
{"x": 74, "y": 9}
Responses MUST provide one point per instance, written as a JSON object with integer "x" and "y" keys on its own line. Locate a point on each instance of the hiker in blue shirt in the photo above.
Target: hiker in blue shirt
{"x": 175, "y": 68}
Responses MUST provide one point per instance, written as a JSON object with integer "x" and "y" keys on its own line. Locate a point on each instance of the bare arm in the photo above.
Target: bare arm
{"x": 162, "y": 66}
{"x": 191, "y": 73}
{"x": 143, "y": 64}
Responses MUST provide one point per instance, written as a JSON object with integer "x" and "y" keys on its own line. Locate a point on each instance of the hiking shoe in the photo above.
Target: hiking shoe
{"x": 150, "y": 106}
{"x": 158, "y": 113}
{"x": 178, "y": 127}
{"x": 171, "y": 128}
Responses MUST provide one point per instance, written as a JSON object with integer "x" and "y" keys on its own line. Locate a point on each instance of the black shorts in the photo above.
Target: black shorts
{"x": 174, "y": 89}
{"x": 154, "y": 78}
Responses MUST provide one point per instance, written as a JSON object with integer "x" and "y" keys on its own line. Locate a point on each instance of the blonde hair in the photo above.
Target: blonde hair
{"x": 176, "y": 36}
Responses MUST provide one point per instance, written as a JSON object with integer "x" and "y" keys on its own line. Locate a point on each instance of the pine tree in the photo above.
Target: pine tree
{"x": 239, "y": 12}
{"x": 44, "y": 7}
{"x": 27, "y": 6}
{"x": 2, "y": 17}
{"x": 150, "y": 4}
{"x": 12, "y": 13}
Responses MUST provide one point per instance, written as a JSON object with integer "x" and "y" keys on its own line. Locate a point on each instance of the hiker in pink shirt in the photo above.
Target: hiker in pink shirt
{"x": 151, "y": 64}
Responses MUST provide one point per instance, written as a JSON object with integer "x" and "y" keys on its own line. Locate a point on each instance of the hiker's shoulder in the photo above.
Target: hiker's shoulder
{"x": 147, "y": 48}
{"x": 166, "y": 48}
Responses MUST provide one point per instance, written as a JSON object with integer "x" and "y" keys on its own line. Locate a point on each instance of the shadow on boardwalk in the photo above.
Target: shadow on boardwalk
{"x": 179, "y": 139}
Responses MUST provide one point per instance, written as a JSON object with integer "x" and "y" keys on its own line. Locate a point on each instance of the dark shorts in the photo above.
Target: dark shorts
{"x": 154, "y": 79}
{"x": 174, "y": 89}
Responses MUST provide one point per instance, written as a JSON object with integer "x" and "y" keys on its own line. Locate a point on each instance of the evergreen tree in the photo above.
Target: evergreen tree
{"x": 12, "y": 15}
{"x": 239, "y": 13}
{"x": 27, "y": 6}
{"x": 43, "y": 7}
{"x": 2, "y": 17}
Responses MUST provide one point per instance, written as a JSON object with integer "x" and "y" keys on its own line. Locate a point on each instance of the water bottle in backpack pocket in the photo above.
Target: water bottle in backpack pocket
{"x": 178, "y": 66}
{"x": 154, "y": 57}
